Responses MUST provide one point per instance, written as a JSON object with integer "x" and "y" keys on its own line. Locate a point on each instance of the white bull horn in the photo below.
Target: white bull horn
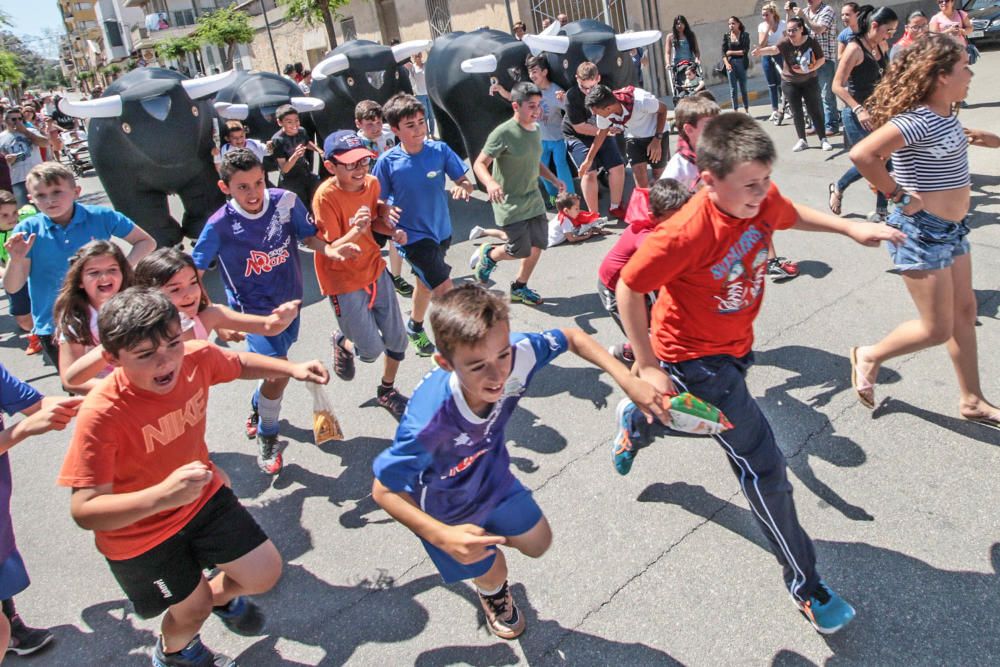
{"x": 553, "y": 29}
{"x": 550, "y": 43}
{"x": 480, "y": 65}
{"x": 232, "y": 111}
{"x": 204, "y": 86}
{"x": 335, "y": 64}
{"x": 102, "y": 107}
{"x": 307, "y": 104}
{"x": 633, "y": 40}
{"x": 405, "y": 50}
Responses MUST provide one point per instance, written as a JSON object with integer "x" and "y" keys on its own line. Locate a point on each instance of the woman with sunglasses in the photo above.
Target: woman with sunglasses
{"x": 951, "y": 21}
{"x": 682, "y": 44}
{"x": 801, "y": 59}
{"x": 916, "y": 27}
{"x": 858, "y": 72}
{"x": 914, "y": 111}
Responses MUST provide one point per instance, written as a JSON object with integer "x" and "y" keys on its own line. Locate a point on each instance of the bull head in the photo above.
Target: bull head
{"x": 111, "y": 106}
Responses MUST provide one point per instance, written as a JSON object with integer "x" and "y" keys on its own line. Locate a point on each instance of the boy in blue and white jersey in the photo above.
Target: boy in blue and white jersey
{"x": 255, "y": 238}
{"x": 447, "y": 475}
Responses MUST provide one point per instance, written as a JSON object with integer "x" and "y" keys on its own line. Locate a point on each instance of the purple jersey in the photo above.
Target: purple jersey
{"x": 454, "y": 463}
{"x": 258, "y": 253}
{"x": 14, "y": 397}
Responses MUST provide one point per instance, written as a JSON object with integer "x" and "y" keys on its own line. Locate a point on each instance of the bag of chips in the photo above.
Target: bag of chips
{"x": 690, "y": 414}
{"x": 325, "y": 424}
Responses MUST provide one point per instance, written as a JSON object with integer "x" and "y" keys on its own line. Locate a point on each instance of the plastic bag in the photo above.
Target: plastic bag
{"x": 690, "y": 414}
{"x": 325, "y": 424}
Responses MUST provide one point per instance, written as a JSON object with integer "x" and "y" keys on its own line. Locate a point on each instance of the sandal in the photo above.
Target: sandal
{"x": 864, "y": 389}
{"x": 836, "y": 199}
{"x": 984, "y": 421}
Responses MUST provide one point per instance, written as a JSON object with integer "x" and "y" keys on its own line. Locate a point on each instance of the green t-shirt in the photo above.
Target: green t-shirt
{"x": 516, "y": 154}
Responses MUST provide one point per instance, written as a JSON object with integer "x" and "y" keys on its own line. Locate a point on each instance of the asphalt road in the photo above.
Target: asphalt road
{"x": 662, "y": 567}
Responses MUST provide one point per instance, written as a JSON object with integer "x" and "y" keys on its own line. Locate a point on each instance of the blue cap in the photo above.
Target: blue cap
{"x": 345, "y": 147}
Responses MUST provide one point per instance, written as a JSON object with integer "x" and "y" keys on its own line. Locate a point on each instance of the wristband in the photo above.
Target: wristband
{"x": 858, "y": 109}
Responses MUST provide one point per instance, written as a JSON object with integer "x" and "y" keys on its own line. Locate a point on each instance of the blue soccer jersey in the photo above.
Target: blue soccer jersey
{"x": 454, "y": 463}
{"x": 258, "y": 253}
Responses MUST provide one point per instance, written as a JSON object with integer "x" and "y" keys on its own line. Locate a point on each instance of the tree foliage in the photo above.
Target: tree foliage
{"x": 10, "y": 72}
{"x": 226, "y": 27}
{"x": 175, "y": 48}
{"x": 316, "y": 12}
{"x": 37, "y": 71}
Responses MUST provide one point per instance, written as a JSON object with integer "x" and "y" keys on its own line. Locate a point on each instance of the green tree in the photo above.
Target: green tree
{"x": 10, "y": 70}
{"x": 226, "y": 27}
{"x": 175, "y": 48}
{"x": 314, "y": 12}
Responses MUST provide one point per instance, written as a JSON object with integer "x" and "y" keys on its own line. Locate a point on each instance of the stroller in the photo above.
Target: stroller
{"x": 76, "y": 152}
{"x": 680, "y": 84}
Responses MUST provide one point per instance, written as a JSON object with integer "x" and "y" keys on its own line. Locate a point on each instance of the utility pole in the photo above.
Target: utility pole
{"x": 267, "y": 25}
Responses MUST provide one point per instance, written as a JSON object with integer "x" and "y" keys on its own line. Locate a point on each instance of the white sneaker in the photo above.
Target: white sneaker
{"x": 787, "y": 116}
{"x": 826, "y": 145}
{"x": 476, "y": 232}
{"x": 800, "y": 145}
{"x": 774, "y": 116}
{"x": 474, "y": 258}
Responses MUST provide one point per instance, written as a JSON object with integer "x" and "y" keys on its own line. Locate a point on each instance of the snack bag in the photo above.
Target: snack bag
{"x": 690, "y": 414}
{"x": 325, "y": 424}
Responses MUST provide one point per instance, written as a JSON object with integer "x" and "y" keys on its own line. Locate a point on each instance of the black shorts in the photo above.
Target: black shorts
{"x": 427, "y": 258}
{"x": 608, "y": 157}
{"x": 524, "y": 235}
{"x": 636, "y": 151}
{"x": 20, "y": 302}
{"x": 167, "y": 574}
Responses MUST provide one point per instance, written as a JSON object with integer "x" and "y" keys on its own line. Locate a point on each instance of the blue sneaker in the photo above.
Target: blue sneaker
{"x": 825, "y": 610}
{"x": 241, "y": 616}
{"x": 485, "y": 265}
{"x": 195, "y": 654}
{"x": 525, "y": 295}
{"x": 624, "y": 448}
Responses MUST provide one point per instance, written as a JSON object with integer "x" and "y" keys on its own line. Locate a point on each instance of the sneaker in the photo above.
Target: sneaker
{"x": 474, "y": 259}
{"x": 195, "y": 654}
{"x": 34, "y": 345}
{"x": 878, "y": 215}
{"x": 626, "y": 443}
{"x": 484, "y": 264}
{"x": 253, "y": 421}
{"x": 268, "y": 454}
{"x": 825, "y": 610}
{"x": 781, "y": 268}
{"x": 775, "y": 115}
{"x": 403, "y": 288}
{"x": 826, "y": 145}
{"x": 502, "y": 616}
{"x": 623, "y": 353}
{"x": 617, "y": 212}
{"x": 343, "y": 361}
{"x": 810, "y": 129}
{"x": 525, "y": 295}
{"x": 420, "y": 342}
{"x": 25, "y": 640}
{"x": 241, "y": 616}
{"x": 392, "y": 400}
{"x": 800, "y": 145}
{"x": 476, "y": 232}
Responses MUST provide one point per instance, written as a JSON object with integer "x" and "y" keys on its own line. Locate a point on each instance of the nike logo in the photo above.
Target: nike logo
{"x": 194, "y": 371}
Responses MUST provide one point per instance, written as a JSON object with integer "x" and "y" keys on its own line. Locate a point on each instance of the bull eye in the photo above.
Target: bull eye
{"x": 619, "y": 61}
{"x": 565, "y": 63}
{"x": 194, "y": 111}
{"x": 126, "y": 128}
{"x": 350, "y": 81}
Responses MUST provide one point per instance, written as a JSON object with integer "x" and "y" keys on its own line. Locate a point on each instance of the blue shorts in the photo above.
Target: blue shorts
{"x": 20, "y": 302}
{"x": 608, "y": 156}
{"x": 275, "y": 346}
{"x": 516, "y": 514}
{"x": 931, "y": 242}
{"x": 13, "y": 576}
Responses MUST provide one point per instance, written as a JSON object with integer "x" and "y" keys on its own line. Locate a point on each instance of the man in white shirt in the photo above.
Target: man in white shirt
{"x": 19, "y": 146}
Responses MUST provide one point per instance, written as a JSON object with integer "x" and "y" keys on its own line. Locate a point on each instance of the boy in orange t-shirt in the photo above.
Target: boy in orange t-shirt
{"x": 708, "y": 264}
{"x": 142, "y": 480}
{"x": 361, "y": 291}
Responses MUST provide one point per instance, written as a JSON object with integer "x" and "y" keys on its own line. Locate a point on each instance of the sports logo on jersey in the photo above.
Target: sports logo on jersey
{"x": 551, "y": 339}
{"x": 237, "y": 227}
{"x": 464, "y": 464}
{"x": 262, "y": 262}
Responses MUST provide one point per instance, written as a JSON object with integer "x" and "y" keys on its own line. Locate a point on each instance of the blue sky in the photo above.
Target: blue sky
{"x": 31, "y": 17}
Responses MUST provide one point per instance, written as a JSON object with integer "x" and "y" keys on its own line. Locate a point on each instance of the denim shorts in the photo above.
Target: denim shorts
{"x": 931, "y": 243}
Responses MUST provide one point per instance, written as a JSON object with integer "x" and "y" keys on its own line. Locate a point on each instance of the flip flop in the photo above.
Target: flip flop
{"x": 984, "y": 421}
{"x": 860, "y": 384}
{"x": 835, "y": 193}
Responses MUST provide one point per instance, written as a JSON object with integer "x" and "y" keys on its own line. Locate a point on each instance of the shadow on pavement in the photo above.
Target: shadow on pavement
{"x": 111, "y": 639}
{"x": 957, "y": 425}
{"x": 583, "y": 308}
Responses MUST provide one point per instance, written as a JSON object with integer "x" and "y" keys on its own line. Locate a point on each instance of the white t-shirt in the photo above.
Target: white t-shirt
{"x": 558, "y": 226}
{"x": 642, "y": 123}
{"x": 772, "y": 37}
{"x": 683, "y": 171}
{"x": 417, "y": 79}
{"x": 27, "y": 153}
{"x": 253, "y": 146}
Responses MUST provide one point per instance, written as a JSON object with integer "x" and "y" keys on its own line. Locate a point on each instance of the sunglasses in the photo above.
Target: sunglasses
{"x": 14, "y": 119}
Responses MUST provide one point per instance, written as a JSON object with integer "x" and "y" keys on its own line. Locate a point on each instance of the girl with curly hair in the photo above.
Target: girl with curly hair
{"x": 914, "y": 111}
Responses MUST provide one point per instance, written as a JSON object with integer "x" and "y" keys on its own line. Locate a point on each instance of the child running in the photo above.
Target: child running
{"x": 142, "y": 479}
{"x": 42, "y": 415}
{"x": 411, "y": 176}
{"x": 290, "y": 147}
{"x": 255, "y": 238}
{"x": 97, "y": 272}
{"x": 447, "y": 475}
{"x": 19, "y": 303}
{"x": 708, "y": 264}
{"x": 360, "y": 289}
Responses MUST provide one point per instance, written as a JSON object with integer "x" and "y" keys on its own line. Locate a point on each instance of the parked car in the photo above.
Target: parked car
{"x": 985, "y": 17}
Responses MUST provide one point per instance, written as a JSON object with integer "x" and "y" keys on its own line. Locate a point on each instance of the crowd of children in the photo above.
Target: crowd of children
{"x": 130, "y": 334}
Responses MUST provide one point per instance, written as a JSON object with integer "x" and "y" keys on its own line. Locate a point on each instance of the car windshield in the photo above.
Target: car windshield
{"x": 981, "y": 4}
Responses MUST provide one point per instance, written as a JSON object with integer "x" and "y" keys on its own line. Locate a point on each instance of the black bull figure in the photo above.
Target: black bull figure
{"x": 150, "y": 135}
{"x": 463, "y": 65}
{"x": 356, "y": 71}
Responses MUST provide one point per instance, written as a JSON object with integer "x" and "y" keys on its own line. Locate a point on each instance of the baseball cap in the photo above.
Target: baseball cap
{"x": 345, "y": 147}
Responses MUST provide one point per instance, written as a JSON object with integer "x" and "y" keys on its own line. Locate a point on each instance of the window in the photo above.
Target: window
{"x": 183, "y": 17}
{"x": 348, "y": 29}
{"x": 439, "y": 16}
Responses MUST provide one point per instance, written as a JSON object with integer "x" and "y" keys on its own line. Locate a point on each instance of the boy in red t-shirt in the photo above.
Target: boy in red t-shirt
{"x": 708, "y": 264}
{"x": 361, "y": 292}
{"x": 138, "y": 465}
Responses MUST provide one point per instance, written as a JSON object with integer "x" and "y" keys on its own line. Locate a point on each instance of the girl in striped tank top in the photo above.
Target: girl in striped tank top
{"x": 914, "y": 110}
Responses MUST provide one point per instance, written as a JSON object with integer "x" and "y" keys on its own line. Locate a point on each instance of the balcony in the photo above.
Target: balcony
{"x": 145, "y": 39}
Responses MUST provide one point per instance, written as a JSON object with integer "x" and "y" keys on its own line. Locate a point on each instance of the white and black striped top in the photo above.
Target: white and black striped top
{"x": 936, "y": 152}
